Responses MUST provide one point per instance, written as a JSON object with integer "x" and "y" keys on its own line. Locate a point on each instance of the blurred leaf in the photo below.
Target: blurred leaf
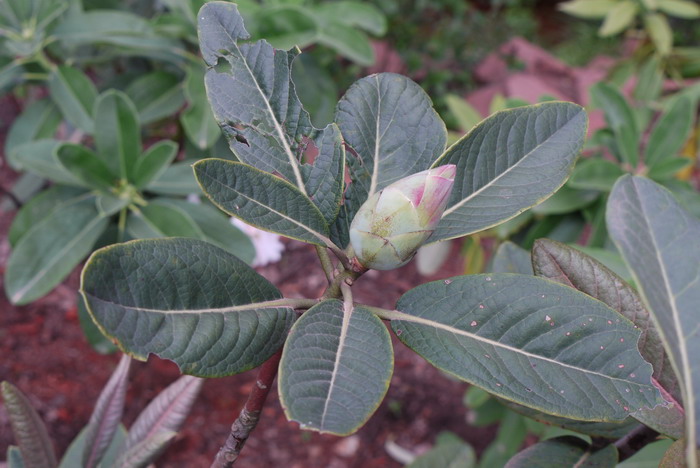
{"x": 565, "y": 451}
{"x": 566, "y": 200}
{"x": 153, "y": 162}
{"x": 510, "y": 437}
{"x": 474, "y": 256}
{"x": 197, "y": 119}
{"x": 680, "y": 8}
{"x": 286, "y": 26}
{"x": 74, "y": 455}
{"x": 588, "y": 9}
{"x": 161, "y": 220}
{"x": 106, "y": 416}
{"x": 39, "y": 157}
{"x": 28, "y": 428}
{"x": 177, "y": 179}
{"x": 649, "y": 456}
{"x": 670, "y": 132}
{"x": 14, "y": 457}
{"x": 620, "y": 118}
{"x": 510, "y": 258}
{"x": 354, "y": 14}
{"x": 10, "y": 74}
{"x": 467, "y": 116}
{"x": 475, "y": 397}
{"x": 431, "y": 257}
{"x": 347, "y": 41}
{"x": 675, "y": 456}
{"x": 447, "y": 455}
{"x": 660, "y": 32}
{"x": 649, "y": 81}
{"x": 117, "y": 133}
{"x": 142, "y": 454}
{"x": 316, "y": 89}
{"x": 93, "y": 335}
{"x": 86, "y": 166}
{"x": 595, "y": 174}
{"x": 51, "y": 249}
{"x": 156, "y": 95}
{"x": 39, "y": 120}
{"x": 668, "y": 168}
{"x": 108, "y": 204}
{"x": 619, "y": 18}
{"x": 75, "y": 95}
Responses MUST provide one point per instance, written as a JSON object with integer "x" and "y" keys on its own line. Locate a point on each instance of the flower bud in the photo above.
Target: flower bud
{"x": 394, "y": 222}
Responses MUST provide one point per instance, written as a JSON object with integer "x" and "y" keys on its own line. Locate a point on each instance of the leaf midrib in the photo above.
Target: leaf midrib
{"x": 348, "y": 309}
{"x": 253, "y": 306}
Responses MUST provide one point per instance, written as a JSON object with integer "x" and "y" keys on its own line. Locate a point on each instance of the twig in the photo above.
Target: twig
{"x": 325, "y": 262}
{"x": 250, "y": 414}
{"x": 634, "y": 441}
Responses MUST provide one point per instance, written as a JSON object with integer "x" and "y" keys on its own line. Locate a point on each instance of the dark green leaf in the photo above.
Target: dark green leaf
{"x": 667, "y": 168}
{"x": 510, "y": 258}
{"x": 93, "y": 335}
{"x": 267, "y": 124}
{"x": 75, "y": 95}
{"x": 216, "y": 228}
{"x": 286, "y": 26}
{"x": 262, "y": 200}
{"x": 39, "y": 157}
{"x": 324, "y": 180}
{"x": 177, "y": 179}
{"x": 161, "y": 220}
{"x": 86, "y": 166}
{"x": 316, "y": 88}
{"x": 670, "y": 132}
{"x": 661, "y": 243}
{"x": 74, "y": 455}
{"x": 510, "y": 437}
{"x": 392, "y": 130}
{"x": 155, "y": 297}
{"x": 566, "y": 200}
{"x": 347, "y": 41}
{"x": 51, "y": 249}
{"x": 530, "y": 341}
{"x": 28, "y": 428}
{"x": 336, "y": 367}
{"x": 595, "y": 174}
{"x": 620, "y": 118}
{"x": 105, "y": 418}
{"x": 500, "y": 175}
{"x": 117, "y": 133}
{"x": 354, "y": 14}
{"x": 39, "y": 120}
{"x": 153, "y": 162}
{"x": 565, "y": 451}
{"x": 156, "y": 95}
{"x": 198, "y": 120}
{"x": 38, "y": 208}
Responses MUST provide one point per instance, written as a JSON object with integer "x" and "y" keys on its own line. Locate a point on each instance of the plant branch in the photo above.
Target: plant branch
{"x": 635, "y": 441}
{"x": 334, "y": 290}
{"x": 250, "y": 414}
{"x": 326, "y": 263}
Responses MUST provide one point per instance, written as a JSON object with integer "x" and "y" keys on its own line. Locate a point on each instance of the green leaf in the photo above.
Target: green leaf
{"x": 38, "y": 208}
{"x": 566, "y": 200}
{"x": 661, "y": 243}
{"x": 365, "y": 16}
{"x": 198, "y": 120}
{"x": 595, "y": 174}
{"x": 649, "y": 81}
{"x": 156, "y": 95}
{"x": 680, "y": 8}
{"x": 216, "y": 228}
{"x": 108, "y": 204}
{"x": 499, "y": 175}
{"x": 39, "y": 157}
{"x": 510, "y": 258}
{"x": 86, "y": 166}
{"x": 588, "y": 9}
{"x": 347, "y": 41}
{"x": 335, "y": 368}
{"x": 262, "y": 200}
{"x": 389, "y": 124}
{"x": 286, "y": 26}
{"x": 105, "y": 418}
{"x": 74, "y": 455}
{"x": 649, "y": 456}
{"x": 568, "y": 266}
{"x": 467, "y": 117}
{"x": 619, "y": 18}
{"x": 93, "y": 335}
{"x": 75, "y": 95}
{"x": 167, "y": 411}
{"x": 668, "y": 168}
{"x": 324, "y": 181}
{"x": 267, "y": 124}
{"x": 117, "y": 133}
{"x": 660, "y": 31}
{"x": 155, "y": 297}
{"x": 620, "y": 118}
{"x": 675, "y": 456}
{"x": 10, "y": 74}
{"x": 671, "y": 131}
{"x": 177, "y": 179}
{"x": 530, "y": 341}
{"x": 51, "y": 249}
{"x": 28, "y": 428}
{"x": 153, "y": 162}
{"x": 316, "y": 89}
{"x": 512, "y": 432}
{"x": 161, "y": 220}
{"x": 565, "y": 451}
{"x": 39, "y": 120}
{"x": 448, "y": 455}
